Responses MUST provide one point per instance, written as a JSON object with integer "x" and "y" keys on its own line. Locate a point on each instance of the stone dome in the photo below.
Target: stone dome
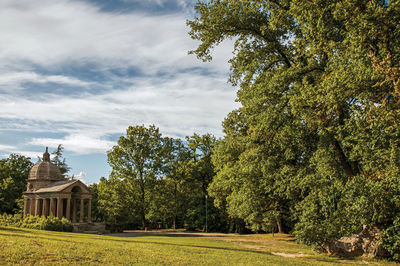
{"x": 45, "y": 170}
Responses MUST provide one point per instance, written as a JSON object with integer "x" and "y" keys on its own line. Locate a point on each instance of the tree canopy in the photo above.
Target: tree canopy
{"x": 317, "y": 133}
{"x": 59, "y": 160}
{"x": 137, "y": 159}
{"x": 14, "y": 171}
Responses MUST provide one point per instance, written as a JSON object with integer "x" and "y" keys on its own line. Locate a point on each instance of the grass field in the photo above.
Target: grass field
{"x": 29, "y": 247}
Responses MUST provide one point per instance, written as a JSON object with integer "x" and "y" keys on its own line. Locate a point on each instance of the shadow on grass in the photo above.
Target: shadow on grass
{"x": 22, "y": 233}
{"x": 77, "y": 238}
{"x": 140, "y": 233}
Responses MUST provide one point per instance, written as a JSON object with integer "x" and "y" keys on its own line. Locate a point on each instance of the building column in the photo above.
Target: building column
{"x": 74, "y": 211}
{"x": 25, "y": 206}
{"x": 68, "y": 214}
{"x": 43, "y": 212}
{"x": 81, "y": 212}
{"x": 59, "y": 208}
{"x": 42, "y": 208}
{"x": 37, "y": 207}
{"x": 89, "y": 209}
{"x": 45, "y": 207}
{"x": 52, "y": 207}
{"x": 32, "y": 206}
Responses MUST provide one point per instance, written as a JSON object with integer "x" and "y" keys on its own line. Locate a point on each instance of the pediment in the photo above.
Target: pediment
{"x": 77, "y": 184}
{"x": 65, "y": 186}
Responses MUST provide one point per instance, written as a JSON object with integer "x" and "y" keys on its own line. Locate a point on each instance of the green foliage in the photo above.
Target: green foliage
{"x": 314, "y": 146}
{"x": 36, "y": 222}
{"x": 116, "y": 205}
{"x": 160, "y": 181}
{"x": 391, "y": 240}
{"x": 59, "y": 161}
{"x": 96, "y": 214}
{"x": 14, "y": 171}
{"x": 137, "y": 161}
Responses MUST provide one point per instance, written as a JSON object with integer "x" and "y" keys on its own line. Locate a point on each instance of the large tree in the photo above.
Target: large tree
{"x": 176, "y": 189}
{"x": 137, "y": 160}
{"x": 319, "y": 87}
{"x": 322, "y": 61}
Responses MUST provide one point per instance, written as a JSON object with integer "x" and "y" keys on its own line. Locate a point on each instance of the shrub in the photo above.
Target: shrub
{"x": 50, "y": 223}
{"x": 331, "y": 211}
{"x": 391, "y": 240}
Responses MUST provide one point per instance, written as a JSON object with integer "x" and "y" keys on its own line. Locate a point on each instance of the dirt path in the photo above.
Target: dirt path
{"x": 136, "y": 233}
{"x": 281, "y": 245}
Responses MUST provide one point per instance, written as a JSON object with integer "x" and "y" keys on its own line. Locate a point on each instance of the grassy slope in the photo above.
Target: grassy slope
{"x": 24, "y": 246}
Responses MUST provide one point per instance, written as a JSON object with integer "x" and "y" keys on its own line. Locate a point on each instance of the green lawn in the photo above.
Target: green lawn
{"x": 25, "y": 246}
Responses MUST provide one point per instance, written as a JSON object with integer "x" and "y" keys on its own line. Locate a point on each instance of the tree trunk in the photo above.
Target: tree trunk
{"x": 348, "y": 170}
{"x": 279, "y": 224}
{"x": 143, "y": 222}
{"x": 175, "y": 206}
{"x": 344, "y": 162}
{"x": 143, "y": 211}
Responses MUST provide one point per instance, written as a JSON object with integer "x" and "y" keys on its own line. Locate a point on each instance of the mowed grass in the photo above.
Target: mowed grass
{"x": 30, "y": 247}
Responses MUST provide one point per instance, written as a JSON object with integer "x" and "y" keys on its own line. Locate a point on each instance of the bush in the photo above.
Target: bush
{"x": 11, "y": 220}
{"x": 333, "y": 210}
{"x": 50, "y": 223}
{"x": 391, "y": 240}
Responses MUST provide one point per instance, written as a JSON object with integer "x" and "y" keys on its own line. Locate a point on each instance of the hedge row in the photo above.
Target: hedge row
{"x": 50, "y": 223}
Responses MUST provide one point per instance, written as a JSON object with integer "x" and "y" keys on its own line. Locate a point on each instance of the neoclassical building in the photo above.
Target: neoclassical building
{"x": 49, "y": 193}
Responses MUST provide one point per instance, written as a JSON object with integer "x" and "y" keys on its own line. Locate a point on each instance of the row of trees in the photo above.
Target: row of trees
{"x": 159, "y": 181}
{"x": 314, "y": 148}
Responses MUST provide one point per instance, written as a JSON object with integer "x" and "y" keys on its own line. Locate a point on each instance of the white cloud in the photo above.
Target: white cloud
{"x": 14, "y": 80}
{"x": 49, "y": 33}
{"x": 53, "y": 35}
{"x": 81, "y": 175}
{"x": 80, "y": 144}
{"x": 182, "y": 3}
{"x": 199, "y": 107}
{"x": 8, "y": 149}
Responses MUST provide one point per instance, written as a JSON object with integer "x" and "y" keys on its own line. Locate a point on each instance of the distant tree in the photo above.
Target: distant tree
{"x": 114, "y": 203}
{"x": 14, "y": 171}
{"x": 201, "y": 147}
{"x": 137, "y": 160}
{"x": 175, "y": 185}
{"x": 157, "y": 179}
{"x": 96, "y": 214}
{"x": 59, "y": 160}
{"x": 201, "y": 174}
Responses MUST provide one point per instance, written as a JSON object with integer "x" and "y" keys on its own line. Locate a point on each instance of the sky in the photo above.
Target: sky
{"x": 78, "y": 73}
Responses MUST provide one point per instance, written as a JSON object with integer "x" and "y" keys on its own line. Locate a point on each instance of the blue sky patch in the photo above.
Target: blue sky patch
{"x": 78, "y": 73}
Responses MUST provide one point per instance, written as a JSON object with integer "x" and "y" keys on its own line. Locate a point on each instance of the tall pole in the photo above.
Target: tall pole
{"x": 206, "y": 216}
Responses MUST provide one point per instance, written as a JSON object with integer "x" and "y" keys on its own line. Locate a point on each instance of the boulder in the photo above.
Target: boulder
{"x": 365, "y": 244}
